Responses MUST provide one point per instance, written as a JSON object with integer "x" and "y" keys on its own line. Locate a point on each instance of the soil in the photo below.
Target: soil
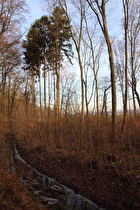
{"x": 108, "y": 187}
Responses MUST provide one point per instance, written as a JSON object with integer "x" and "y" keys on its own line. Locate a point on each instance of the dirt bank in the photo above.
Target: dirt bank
{"x": 109, "y": 188}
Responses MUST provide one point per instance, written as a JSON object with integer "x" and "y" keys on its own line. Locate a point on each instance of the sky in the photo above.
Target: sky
{"x": 35, "y": 12}
{"x": 37, "y": 9}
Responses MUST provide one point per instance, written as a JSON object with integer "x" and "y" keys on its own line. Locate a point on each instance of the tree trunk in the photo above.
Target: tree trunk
{"x": 113, "y": 81}
{"x": 57, "y": 71}
{"x": 45, "y": 89}
{"x": 9, "y": 96}
{"x": 33, "y": 88}
{"x": 77, "y": 44}
{"x": 138, "y": 97}
{"x": 57, "y": 103}
{"x": 125, "y": 8}
{"x": 101, "y": 17}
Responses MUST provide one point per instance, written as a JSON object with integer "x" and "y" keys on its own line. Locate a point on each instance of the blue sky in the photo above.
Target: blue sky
{"x": 35, "y": 7}
{"x": 114, "y": 17}
{"x": 35, "y": 12}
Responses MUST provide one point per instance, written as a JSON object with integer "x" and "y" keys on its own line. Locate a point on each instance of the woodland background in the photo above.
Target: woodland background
{"x": 92, "y": 117}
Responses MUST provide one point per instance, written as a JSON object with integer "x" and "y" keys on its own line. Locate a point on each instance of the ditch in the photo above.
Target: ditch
{"x": 52, "y": 194}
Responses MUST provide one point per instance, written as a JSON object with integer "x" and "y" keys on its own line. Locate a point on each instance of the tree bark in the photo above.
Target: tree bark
{"x": 125, "y": 9}
{"x": 101, "y": 17}
{"x": 33, "y": 88}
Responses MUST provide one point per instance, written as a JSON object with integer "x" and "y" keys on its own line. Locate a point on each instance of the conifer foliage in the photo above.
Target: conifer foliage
{"x": 46, "y": 44}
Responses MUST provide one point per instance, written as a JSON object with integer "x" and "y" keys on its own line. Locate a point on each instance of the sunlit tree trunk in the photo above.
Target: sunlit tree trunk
{"x": 82, "y": 82}
{"x": 9, "y": 96}
{"x": 40, "y": 91}
{"x": 113, "y": 81}
{"x": 44, "y": 74}
{"x": 57, "y": 73}
{"x": 99, "y": 10}
{"x": 49, "y": 93}
{"x": 27, "y": 92}
{"x": 33, "y": 88}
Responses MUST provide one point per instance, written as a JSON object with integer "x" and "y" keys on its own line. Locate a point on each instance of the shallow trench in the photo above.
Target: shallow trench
{"x": 53, "y": 194}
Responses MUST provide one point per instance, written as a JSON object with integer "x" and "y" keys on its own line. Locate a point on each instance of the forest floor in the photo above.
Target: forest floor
{"x": 13, "y": 195}
{"x": 109, "y": 188}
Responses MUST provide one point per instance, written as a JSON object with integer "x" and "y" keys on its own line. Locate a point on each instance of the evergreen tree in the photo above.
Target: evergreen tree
{"x": 48, "y": 41}
{"x": 60, "y": 46}
{"x": 36, "y": 46}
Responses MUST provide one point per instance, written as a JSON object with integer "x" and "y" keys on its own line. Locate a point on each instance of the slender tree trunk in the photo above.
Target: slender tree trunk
{"x": 82, "y": 87}
{"x": 13, "y": 95}
{"x": 113, "y": 82}
{"x": 77, "y": 44}
{"x": 3, "y": 85}
{"x": 86, "y": 96}
{"x": 49, "y": 94}
{"x": 101, "y": 17}
{"x": 104, "y": 107}
{"x": 33, "y": 88}
{"x": 57, "y": 104}
{"x": 97, "y": 98}
{"x": 105, "y": 100}
{"x": 134, "y": 102}
{"x": 125, "y": 8}
{"x": 54, "y": 89}
{"x": 9, "y": 100}
{"x": 40, "y": 98}
{"x": 45, "y": 89}
{"x": 138, "y": 97}
{"x": 133, "y": 86}
{"x": 26, "y": 94}
{"x": 57, "y": 71}
{"x": 95, "y": 68}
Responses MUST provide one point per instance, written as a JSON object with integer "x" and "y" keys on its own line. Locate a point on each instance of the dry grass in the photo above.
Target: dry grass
{"x": 90, "y": 142}
{"x": 69, "y": 143}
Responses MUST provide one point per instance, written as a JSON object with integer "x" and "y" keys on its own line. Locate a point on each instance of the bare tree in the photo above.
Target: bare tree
{"x": 134, "y": 46}
{"x": 126, "y": 19}
{"x": 14, "y": 80}
{"x": 99, "y": 9}
{"x": 11, "y": 60}
{"x": 94, "y": 58}
{"x": 119, "y": 67}
{"x": 68, "y": 91}
{"x": 11, "y": 14}
{"x": 77, "y": 35}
